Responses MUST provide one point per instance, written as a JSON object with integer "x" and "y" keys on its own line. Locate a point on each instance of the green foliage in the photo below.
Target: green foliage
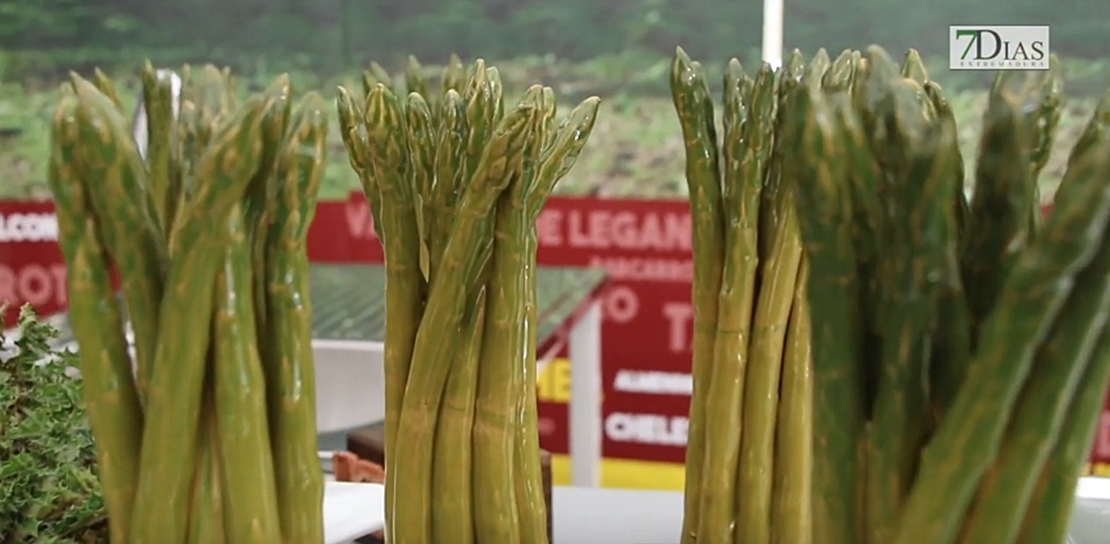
{"x": 49, "y": 493}
{"x": 53, "y": 36}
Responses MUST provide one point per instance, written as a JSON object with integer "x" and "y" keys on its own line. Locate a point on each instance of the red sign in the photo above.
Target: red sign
{"x": 31, "y": 267}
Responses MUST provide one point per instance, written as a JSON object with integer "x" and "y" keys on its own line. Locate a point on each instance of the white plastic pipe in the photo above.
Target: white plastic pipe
{"x": 772, "y": 32}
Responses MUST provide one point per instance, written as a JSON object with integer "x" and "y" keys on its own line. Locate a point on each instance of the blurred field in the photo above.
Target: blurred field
{"x": 636, "y": 149}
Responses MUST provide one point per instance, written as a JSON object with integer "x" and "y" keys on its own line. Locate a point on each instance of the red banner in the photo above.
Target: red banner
{"x": 643, "y": 244}
{"x": 31, "y": 267}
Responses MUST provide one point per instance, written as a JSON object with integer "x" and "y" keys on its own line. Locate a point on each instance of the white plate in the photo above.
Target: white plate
{"x": 352, "y": 511}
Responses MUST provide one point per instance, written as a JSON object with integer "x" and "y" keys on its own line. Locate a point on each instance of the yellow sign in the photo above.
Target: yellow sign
{"x": 553, "y": 384}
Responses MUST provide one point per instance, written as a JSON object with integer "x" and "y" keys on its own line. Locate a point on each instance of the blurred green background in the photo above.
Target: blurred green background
{"x": 618, "y": 49}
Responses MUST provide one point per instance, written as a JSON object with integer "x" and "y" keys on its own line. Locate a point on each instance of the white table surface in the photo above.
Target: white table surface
{"x": 617, "y": 516}
{"x": 352, "y": 511}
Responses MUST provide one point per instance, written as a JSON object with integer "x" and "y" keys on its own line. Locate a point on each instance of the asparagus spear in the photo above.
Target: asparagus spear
{"x": 913, "y": 68}
{"x": 1043, "y": 133}
{"x": 111, "y": 399}
{"x": 761, "y": 395}
{"x": 128, "y": 228}
{"x": 1030, "y": 300}
{"x": 1050, "y": 507}
{"x": 258, "y": 206}
{"x": 290, "y": 371}
{"x": 996, "y": 513}
{"x": 1003, "y": 193}
{"x": 792, "y": 504}
{"x": 951, "y": 349}
{"x": 841, "y": 72}
{"x": 105, "y": 85}
{"x": 788, "y": 78}
{"x": 563, "y": 146}
{"x": 528, "y": 492}
{"x": 919, "y": 226}
{"x": 454, "y": 499}
{"x": 501, "y": 369}
{"x": 448, "y": 179}
{"x": 414, "y": 79}
{"x": 824, "y": 213}
{"x": 454, "y": 75}
{"x": 691, "y": 100}
{"x": 460, "y": 272}
{"x": 486, "y": 422}
{"x": 355, "y": 139}
{"x": 747, "y": 150}
{"x": 173, "y": 409}
{"x": 388, "y": 166}
{"x": 247, "y": 464}
{"x": 206, "y": 508}
{"x": 158, "y": 102}
{"x": 421, "y": 148}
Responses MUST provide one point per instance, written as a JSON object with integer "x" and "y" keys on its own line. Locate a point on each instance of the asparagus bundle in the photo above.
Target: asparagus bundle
{"x": 208, "y": 434}
{"x": 456, "y": 183}
{"x": 945, "y": 359}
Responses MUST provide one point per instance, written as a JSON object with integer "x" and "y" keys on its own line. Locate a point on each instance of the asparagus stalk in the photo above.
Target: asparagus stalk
{"x": 355, "y": 139}
{"x": 691, "y": 100}
{"x": 560, "y": 151}
{"x": 951, "y": 349}
{"x": 454, "y": 500}
{"x": 173, "y": 409}
{"x": 915, "y": 257}
{"x": 158, "y": 103}
{"x": 388, "y": 164}
{"x": 460, "y": 272}
{"x": 792, "y": 505}
{"x": 1003, "y": 192}
{"x": 111, "y": 398}
{"x": 825, "y": 212}
{"x": 1034, "y": 427}
{"x": 562, "y": 148}
{"x": 243, "y": 434}
{"x": 1050, "y": 507}
{"x": 128, "y": 227}
{"x": 761, "y": 396}
{"x": 747, "y": 149}
{"x": 501, "y": 369}
{"x": 258, "y": 207}
{"x": 206, "y": 508}
{"x": 1040, "y": 281}
{"x": 291, "y": 381}
{"x": 420, "y": 144}
{"x": 1035, "y": 424}
{"x": 414, "y": 79}
{"x": 105, "y": 85}
{"x": 788, "y": 78}
{"x": 454, "y": 75}
{"x": 448, "y": 179}
{"x": 913, "y": 68}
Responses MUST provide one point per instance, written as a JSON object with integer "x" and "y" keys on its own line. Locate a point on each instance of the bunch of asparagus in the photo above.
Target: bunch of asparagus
{"x": 456, "y": 182}
{"x": 208, "y": 433}
{"x": 946, "y": 360}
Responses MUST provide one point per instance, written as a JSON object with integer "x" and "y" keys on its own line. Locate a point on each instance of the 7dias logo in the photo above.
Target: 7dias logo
{"x": 998, "y": 47}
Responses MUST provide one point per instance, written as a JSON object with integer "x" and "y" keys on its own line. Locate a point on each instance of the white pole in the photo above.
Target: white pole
{"x": 772, "y": 32}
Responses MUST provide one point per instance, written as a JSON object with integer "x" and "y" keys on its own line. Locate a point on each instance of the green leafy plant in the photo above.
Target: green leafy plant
{"x": 49, "y": 493}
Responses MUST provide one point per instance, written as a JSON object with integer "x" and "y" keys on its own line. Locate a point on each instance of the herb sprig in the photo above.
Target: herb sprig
{"x": 49, "y": 493}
